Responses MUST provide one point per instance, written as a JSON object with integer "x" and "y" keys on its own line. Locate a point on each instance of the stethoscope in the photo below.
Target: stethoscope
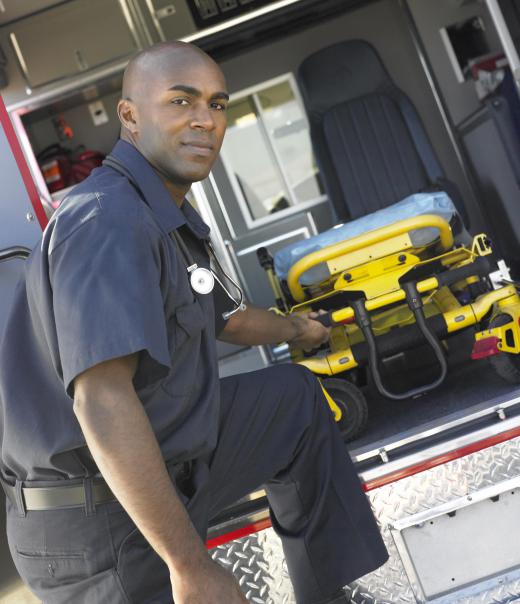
{"x": 202, "y": 280}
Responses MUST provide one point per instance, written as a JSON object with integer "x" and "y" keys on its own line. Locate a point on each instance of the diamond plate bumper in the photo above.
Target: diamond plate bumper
{"x": 258, "y": 563}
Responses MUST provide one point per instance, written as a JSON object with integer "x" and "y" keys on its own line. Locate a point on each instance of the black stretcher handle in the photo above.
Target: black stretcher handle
{"x": 480, "y": 267}
{"x": 264, "y": 258}
{"x": 267, "y": 263}
{"x": 325, "y": 320}
{"x": 415, "y": 303}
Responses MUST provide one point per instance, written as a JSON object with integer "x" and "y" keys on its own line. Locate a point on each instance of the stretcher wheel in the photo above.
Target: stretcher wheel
{"x": 353, "y": 405}
{"x": 506, "y": 365}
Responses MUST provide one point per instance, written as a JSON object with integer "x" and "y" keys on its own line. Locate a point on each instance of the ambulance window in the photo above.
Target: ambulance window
{"x": 267, "y": 150}
{"x": 249, "y": 156}
{"x": 285, "y": 121}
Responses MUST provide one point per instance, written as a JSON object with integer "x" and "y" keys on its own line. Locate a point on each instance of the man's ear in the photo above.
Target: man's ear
{"x": 128, "y": 115}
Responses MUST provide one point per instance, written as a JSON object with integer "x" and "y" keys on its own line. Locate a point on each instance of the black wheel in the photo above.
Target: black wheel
{"x": 506, "y": 365}
{"x": 353, "y": 405}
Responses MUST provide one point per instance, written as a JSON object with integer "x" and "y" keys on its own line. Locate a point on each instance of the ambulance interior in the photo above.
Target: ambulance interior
{"x": 61, "y": 70}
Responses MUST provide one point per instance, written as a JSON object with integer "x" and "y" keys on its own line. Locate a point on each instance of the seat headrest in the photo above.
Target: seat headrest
{"x": 341, "y": 72}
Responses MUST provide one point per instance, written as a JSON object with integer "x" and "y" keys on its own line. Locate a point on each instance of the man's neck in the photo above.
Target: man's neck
{"x": 178, "y": 192}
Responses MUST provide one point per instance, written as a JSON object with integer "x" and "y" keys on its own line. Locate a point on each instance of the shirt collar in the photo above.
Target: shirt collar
{"x": 156, "y": 194}
{"x": 194, "y": 221}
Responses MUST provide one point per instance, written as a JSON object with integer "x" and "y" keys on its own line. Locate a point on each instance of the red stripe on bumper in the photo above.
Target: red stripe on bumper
{"x": 384, "y": 480}
{"x": 441, "y": 459}
{"x": 256, "y": 527}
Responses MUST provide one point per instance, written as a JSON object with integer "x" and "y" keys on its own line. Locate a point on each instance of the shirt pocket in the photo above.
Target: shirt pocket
{"x": 189, "y": 322}
{"x": 186, "y": 328}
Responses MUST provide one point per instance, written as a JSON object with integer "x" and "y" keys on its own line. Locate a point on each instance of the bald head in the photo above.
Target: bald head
{"x": 150, "y": 65}
{"x": 173, "y": 110}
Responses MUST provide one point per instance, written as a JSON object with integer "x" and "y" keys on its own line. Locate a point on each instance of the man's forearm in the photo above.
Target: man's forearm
{"x": 256, "y": 326}
{"x": 120, "y": 438}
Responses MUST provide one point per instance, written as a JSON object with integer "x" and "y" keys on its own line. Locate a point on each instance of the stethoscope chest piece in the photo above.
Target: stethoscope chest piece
{"x": 201, "y": 279}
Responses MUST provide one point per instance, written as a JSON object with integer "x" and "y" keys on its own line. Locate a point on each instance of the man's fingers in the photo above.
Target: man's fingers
{"x": 316, "y": 313}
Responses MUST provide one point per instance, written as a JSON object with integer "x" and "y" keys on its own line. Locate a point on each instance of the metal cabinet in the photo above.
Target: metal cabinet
{"x": 72, "y": 38}
{"x": 168, "y": 19}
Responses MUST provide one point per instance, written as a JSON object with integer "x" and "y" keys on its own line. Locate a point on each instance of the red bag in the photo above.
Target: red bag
{"x": 84, "y": 164}
{"x": 56, "y": 167}
{"x": 63, "y": 168}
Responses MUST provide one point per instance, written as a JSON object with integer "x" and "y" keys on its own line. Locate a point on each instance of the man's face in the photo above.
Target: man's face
{"x": 182, "y": 119}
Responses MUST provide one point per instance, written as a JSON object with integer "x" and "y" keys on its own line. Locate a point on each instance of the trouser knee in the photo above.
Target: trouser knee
{"x": 303, "y": 397}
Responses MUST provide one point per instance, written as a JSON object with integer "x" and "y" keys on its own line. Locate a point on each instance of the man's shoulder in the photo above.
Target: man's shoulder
{"x": 105, "y": 202}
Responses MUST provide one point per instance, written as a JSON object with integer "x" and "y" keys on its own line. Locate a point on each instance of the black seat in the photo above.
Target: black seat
{"x": 370, "y": 144}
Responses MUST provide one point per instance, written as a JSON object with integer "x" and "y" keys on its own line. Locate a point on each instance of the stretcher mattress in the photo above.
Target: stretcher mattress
{"x": 436, "y": 202}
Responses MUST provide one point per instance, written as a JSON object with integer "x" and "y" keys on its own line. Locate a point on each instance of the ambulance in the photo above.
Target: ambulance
{"x": 434, "y": 80}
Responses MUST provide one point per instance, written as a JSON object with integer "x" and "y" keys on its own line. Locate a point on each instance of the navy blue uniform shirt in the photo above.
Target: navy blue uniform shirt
{"x": 106, "y": 281}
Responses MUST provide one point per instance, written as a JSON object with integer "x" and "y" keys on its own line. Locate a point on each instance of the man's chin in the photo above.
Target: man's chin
{"x": 196, "y": 175}
{"x": 188, "y": 172}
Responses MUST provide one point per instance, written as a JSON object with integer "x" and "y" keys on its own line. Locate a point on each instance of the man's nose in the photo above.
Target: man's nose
{"x": 202, "y": 117}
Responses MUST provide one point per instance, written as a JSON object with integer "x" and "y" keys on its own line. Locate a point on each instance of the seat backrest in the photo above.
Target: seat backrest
{"x": 370, "y": 144}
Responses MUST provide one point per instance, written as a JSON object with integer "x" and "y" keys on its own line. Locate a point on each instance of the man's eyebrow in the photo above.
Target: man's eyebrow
{"x": 220, "y": 95}
{"x": 195, "y": 92}
{"x": 187, "y": 89}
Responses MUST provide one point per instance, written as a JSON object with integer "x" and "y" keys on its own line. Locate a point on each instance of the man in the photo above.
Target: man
{"x": 121, "y": 444}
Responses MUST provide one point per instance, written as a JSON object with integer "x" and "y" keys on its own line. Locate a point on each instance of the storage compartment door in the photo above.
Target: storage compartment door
{"x": 66, "y": 40}
{"x": 462, "y": 548}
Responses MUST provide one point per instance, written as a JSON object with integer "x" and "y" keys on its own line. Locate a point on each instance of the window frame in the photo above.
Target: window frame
{"x": 295, "y": 205}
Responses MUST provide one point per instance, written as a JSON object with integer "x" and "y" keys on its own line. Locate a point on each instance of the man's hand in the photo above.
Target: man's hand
{"x": 209, "y": 584}
{"x": 256, "y": 326}
{"x": 310, "y": 333}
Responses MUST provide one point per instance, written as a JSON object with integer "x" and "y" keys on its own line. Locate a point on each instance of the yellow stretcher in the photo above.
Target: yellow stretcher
{"x": 386, "y": 295}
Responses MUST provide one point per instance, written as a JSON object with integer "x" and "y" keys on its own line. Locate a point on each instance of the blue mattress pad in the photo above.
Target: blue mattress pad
{"x": 436, "y": 202}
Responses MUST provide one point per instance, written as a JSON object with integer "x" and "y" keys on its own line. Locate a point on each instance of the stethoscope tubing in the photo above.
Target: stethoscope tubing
{"x": 192, "y": 267}
{"x": 206, "y": 276}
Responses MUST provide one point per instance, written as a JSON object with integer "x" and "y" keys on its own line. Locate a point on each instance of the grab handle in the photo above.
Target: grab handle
{"x": 16, "y": 251}
{"x": 415, "y": 303}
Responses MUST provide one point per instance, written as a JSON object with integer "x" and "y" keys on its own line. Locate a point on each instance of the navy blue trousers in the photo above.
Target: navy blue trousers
{"x": 276, "y": 430}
